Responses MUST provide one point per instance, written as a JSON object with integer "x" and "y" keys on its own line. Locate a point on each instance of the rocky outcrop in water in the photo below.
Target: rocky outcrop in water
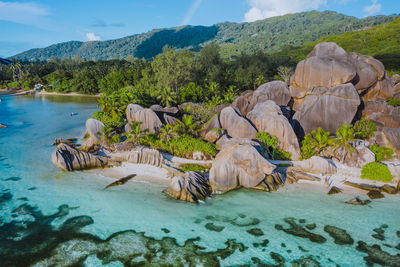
{"x": 192, "y": 187}
{"x": 267, "y": 117}
{"x": 238, "y": 166}
{"x": 68, "y": 158}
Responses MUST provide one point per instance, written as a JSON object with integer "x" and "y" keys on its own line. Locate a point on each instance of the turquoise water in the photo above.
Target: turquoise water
{"x": 49, "y": 217}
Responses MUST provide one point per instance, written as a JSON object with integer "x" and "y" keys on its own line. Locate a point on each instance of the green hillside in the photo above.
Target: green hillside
{"x": 267, "y": 35}
{"x": 381, "y": 42}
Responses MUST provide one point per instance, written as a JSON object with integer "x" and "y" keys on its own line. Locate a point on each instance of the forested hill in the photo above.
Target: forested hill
{"x": 268, "y": 35}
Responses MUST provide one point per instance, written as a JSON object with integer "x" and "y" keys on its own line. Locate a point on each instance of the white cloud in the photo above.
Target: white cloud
{"x": 25, "y": 13}
{"x": 261, "y": 9}
{"x": 90, "y": 36}
{"x": 372, "y": 9}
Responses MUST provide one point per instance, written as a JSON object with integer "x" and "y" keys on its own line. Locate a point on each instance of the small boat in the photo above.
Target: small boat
{"x": 73, "y": 114}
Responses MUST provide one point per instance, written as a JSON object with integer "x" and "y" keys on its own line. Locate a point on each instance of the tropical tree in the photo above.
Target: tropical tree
{"x": 285, "y": 73}
{"x": 315, "y": 143}
{"x": 188, "y": 125}
{"x": 168, "y": 132}
{"x": 344, "y": 135}
{"x": 167, "y": 97}
{"x": 136, "y": 133}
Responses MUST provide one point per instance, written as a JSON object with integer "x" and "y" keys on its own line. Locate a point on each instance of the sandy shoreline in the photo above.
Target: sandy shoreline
{"x": 152, "y": 174}
{"x": 65, "y": 94}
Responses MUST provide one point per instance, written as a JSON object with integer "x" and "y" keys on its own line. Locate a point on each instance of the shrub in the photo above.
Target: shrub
{"x": 344, "y": 135}
{"x": 364, "y": 129}
{"x": 270, "y": 146}
{"x": 395, "y": 102}
{"x": 183, "y": 146}
{"x": 315, "y": 143}
{"x": 193, "y": 167}
{"x": 381, "y": 152}
{"x": 376, "y": 171}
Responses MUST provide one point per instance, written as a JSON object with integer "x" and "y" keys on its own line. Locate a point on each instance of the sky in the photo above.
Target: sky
{"x": 40, "y": 23}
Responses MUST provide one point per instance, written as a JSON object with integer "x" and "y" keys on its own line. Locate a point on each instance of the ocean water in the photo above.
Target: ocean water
{"x": 53, "y": 218}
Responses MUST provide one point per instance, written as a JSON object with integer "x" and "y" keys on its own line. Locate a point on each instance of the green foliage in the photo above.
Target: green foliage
{"x": 167, "y": 97}
{"x": 136, "y": 133}
{"x": 344, "y": 135}
{"x": 200, "y": 113}
{"x": 315, "y": 143}
{"x": 381, "y": 153}
{"x": 193, "y": 167}
{"x": 376, "y": 171}
{"x": 270, "y": 146}
{"x": 364, "y": 129}
{"x": 188, "y": 126}
{"x": 112, "y": 82}
{"x": 182, "y": 146}
{"x": 395, "y": 102}
{"x": 168, "y": 132}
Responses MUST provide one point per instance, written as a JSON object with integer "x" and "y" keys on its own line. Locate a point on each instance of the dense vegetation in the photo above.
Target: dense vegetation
{"x": 267, "y": 35}
{"x": 376, "y": 171}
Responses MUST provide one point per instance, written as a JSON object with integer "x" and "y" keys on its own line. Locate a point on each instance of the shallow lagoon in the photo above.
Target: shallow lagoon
{"x": 241, "y": 227}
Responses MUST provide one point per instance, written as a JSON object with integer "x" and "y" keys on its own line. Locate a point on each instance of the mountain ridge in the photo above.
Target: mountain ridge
{"x": 268, "y": 35}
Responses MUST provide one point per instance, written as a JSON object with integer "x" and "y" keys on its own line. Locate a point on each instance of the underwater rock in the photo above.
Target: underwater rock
{"x": 213, "y": 227}
{"x": 68, "y": 158}
{"x": 377, "y": 256}
{"x": 2, "y": 126}
{"x": 358, "y": 201}
{"x": 298, "y": 230}
{"x": 340, "y": 236}
{"x": 389, "y": 189}
{"x": 380, "y": 232}
{"x": 255, "y": 231}
{"x": 192, "y": 187}
{"x": 374, "y": 194}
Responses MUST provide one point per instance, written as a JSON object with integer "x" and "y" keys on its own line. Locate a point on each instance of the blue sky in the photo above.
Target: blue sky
{"x": 39, "y": 23}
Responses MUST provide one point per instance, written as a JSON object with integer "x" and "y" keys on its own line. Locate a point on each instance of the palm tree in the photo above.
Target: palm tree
{"x": 188, "y": 125}
{"x": 344, "y": 135}
{"x": 136, "y": 133}
{"x": 321, "y": 140}
{"x": 167, "y": 97}
{"x": 168, "y": 132}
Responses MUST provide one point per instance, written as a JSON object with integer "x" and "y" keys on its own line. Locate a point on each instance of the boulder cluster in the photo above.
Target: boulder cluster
{"x": 330, "y": 87}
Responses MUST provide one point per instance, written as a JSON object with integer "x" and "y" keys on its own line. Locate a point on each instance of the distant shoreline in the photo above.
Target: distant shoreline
{"x": 16, "y": 92}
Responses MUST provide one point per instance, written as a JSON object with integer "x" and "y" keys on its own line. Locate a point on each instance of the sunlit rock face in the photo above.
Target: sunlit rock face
{"x": 268, "y": 117}
{"x": 68, "y": 158}
{"x": 235, "y": 124}
{"x": 236, "y": 166}
{"x": 148, "y": 118}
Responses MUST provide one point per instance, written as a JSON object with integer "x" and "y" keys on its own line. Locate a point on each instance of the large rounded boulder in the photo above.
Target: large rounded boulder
{"x": 147, "y": 117}
{"x": 238, "y": 166}
{"x": 235, "y": 124}
{"x": 276, "y": 91}
{"x": 329, "y": 65}
{"x": 94, "y": 133}
{"x": 243, "y": 101}
{"x": 68, "y": 158}
{"x": 267, "y": 117}
{"x": 327, "y": 108}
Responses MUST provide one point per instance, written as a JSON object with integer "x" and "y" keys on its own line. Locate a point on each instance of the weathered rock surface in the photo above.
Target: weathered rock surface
{"x": 94, "y": 130}
{"x": 148, "y": 118}
{"x": 358, "y": 157}
{"x": 358, "y": 201}
{"x": 235, "y": 124}
{"x": 374, "y": 194}
{"x": 328, "y": 108}
{"x": 334, "y": 190}
{"x": 329, "y": 65}
{"x": 276, "y": 91}
{"x": 392, "y": 136}
{"x": 237, "y": 166}
{"x": 316, "y": 165}
{"x": 158, "y": 108}
{"x": 192, "y": 187}
{"x": 382, "y": 114}
{"x": 213, "y": 135}
{"x": 396, "y": 78}
{"x": 140, "y": 155}
{"x": 243, "y": 101}
{"x": 267, "y": 117}
{"x": 68, "y": 158}
{"x": 226, "y": 141}
{"x": 213, "y": 123}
